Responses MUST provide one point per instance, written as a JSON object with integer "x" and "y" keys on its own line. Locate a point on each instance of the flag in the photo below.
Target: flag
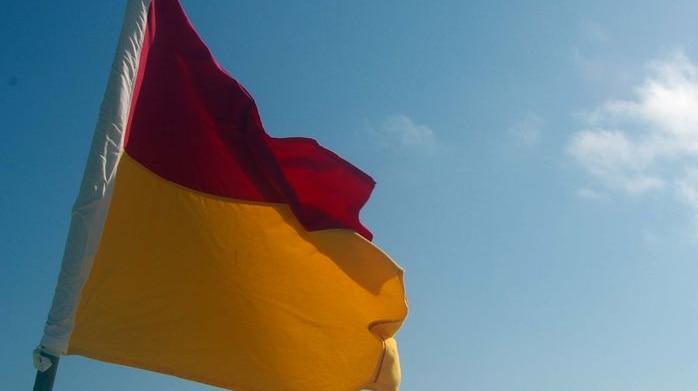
{"x": 204, "y": 248}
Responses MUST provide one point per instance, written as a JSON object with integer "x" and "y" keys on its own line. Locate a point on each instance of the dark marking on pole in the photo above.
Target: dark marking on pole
{"x": 44, "y": 380}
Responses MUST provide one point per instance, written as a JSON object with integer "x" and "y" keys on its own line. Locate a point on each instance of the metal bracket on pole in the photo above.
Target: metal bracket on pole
{"x": 46, "y": 366}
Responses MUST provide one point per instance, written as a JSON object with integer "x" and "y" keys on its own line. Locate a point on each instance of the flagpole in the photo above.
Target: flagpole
{"x": 89, "y": 211}
{"x": 44, "y": 379}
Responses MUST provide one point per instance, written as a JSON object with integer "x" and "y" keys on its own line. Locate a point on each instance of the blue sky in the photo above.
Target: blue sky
{"x": 537, "y": 169}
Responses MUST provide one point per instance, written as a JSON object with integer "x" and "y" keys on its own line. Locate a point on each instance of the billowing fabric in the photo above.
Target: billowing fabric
{"x": 213, "y": 251}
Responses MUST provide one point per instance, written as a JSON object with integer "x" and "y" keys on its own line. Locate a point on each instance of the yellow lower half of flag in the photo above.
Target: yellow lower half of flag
{"x": 237, "y": 294}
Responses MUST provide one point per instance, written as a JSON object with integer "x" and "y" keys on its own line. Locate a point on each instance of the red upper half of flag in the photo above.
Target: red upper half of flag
{"x": 193, "y": 124}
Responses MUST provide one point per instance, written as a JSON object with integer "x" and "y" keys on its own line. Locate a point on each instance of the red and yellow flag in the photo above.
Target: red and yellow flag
{"x": 204, "y": 248}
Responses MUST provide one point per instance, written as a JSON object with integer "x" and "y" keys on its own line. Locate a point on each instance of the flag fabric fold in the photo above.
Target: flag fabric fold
{"x": 204, "y": 248}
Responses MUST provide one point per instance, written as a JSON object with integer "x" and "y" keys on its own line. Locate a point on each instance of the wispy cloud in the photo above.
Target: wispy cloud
{"x": 593, "y": 32}
{"x": 399, "y": 132}
{"x": 589, "y": 194}
{"x": 686, "y": 189}
{"x": 528, "y": 131}
{"x": 617, "y": 160}
{"x": 650, "y": 142}
{"x": 603, "y": 71}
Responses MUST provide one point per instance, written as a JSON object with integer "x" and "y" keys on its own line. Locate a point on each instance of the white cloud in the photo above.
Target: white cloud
{"x": 666, "y": 106}
{"x": 528, "y": 131}
{"x": 615, "y": 159}
{"x": 650, "y": 142}
{"x": 589, "y": 194}
{"x": 399, "y": 132}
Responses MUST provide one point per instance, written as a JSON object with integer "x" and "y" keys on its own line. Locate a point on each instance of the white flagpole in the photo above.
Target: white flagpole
{"x": 90, "y": 208}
